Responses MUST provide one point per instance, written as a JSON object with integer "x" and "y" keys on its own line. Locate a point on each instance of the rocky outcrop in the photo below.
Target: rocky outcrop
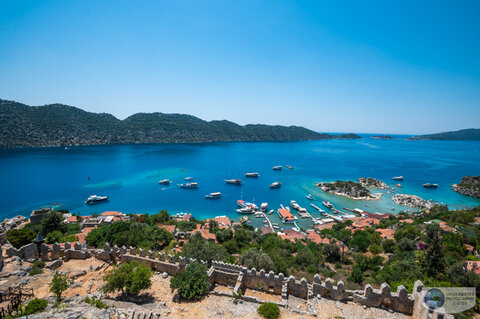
{"x": 348, "y": 189}
{"x": 469, "y": 186}
{"x": 11, "y": 223}
{"x": 372, "y": 182}
{"x": 413, "y": 201}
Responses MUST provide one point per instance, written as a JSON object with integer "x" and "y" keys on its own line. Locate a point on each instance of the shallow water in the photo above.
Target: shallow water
{"x": 129, "y": 174}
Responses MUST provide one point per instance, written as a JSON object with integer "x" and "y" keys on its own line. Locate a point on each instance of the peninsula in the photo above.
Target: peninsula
{"x": 467, "y": 134}
{"x": 62, "y": 125}
{"x": 469, "y": 186}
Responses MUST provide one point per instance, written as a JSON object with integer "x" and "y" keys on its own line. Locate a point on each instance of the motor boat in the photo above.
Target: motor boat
{"x": 165, "y": 181}
{"x": 252, "y": 174}
{"x": 95, "y": 199}
{"x": 327, "y": 204}
{"x": 275, "y": 185}
{"x": 264, "y": 207}
{"x": 309, "y": 196}
{"x": 214, "y": 195}
{"x": 277, "y": 168}
{"x": 428, "y": 185}
{"x": 189, "y": 185}
{"x": 234, "y": 181}
{"x": 398, "y": 178}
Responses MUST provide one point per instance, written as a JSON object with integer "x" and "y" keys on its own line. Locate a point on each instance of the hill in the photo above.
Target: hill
{"x": 466, "y": 134}
{"x": 58, "y": 124}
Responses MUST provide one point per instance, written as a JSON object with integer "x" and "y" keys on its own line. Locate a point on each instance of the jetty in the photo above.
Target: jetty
{"x": 268, "y": 221}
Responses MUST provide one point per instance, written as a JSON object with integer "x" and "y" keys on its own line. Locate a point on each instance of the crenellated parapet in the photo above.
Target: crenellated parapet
{"x": 328, "y": 290}
{"x": 400, "y": 301}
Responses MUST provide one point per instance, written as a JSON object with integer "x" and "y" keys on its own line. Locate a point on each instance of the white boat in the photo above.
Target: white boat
{"x": 189, "y": 178}
{"x": 428, "y": 185}
{"x": 294, "y": 205}
{"x": 214, "y": 195}
{"x": 165, "y": 181}
{"x": 265, "y": 222}
{"x": 309, "y": 196}
{"x": 189, "y": 185}
{"x": 270, "y": 212}
{"x": 234, "y": 181}
{"x": 95, "y": 199}
{"x": 275, "y": 185}
{"x": 264, "y": 207}
{"x": 245, "y": 210}
{"x": 327, "y": 204}
{"x": 241, "y": 203}
{"x": 398, "y": 178}
{"x": 398, "y": 185}
{"x": 277, "y": 168}
{"x": 252, "y": 174}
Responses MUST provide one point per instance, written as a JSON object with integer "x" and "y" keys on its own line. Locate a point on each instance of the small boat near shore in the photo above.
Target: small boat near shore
{"x": 327, "y": 204}
{"x": 277, "y": 168}
{"x": 95, "y": 199}
{"x": 189, "y": 185}
{"x": 264, "y": 207}
{"x": 213, "y": 195}
{"x": 276, "y": 184}
{"x": 234, "y": 181}
{"x": 252, "y": 174}
{"x": 288, "y": 166}
{"x": 397, "y": 178}
{"x": 165, "y": 181}
{"x": 294, "y": 205}
{"x": 309, "y": 196}
{"x": 428, "y": 185}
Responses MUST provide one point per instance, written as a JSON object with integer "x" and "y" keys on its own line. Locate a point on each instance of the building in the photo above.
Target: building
{"x": 37, "y": 215}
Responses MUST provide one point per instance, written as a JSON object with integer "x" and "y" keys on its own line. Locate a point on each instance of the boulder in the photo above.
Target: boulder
{"x": 54, "y": 264}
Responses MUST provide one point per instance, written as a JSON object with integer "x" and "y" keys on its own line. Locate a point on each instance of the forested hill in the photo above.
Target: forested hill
{"x": 467, "y": 134}
{"x": 58, "y": 124}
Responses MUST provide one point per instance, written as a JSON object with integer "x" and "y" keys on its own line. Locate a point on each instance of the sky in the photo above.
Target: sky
{"x": 408, "y": 67}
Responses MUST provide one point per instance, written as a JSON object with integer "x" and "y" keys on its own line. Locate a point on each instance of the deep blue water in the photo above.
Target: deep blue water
{"x": 128, "y": 174}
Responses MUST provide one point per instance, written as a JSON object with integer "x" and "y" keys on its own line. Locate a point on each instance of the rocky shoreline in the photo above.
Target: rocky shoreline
{"x": 469, "y": 186}
{"x": 372, "y": 182}
{"x": 413, "y": 201}
{"x": 348, "y": 189}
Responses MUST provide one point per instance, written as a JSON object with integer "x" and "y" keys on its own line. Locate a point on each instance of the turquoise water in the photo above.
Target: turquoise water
{"x": 128, "y": 174}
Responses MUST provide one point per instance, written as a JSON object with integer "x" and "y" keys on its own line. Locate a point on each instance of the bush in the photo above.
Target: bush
{"x": 35, "y": 271}
{"x": 20, "y": 237}
{"x": 58, "y": 285}
{"x": 35, "y": 306}
{"x": 192, "y": 283}
{"x": 96, "y": 303}
{"x": 269, "y": 310}
{"x": 254, "y": 258}
{"x": 129, "y": 278}
{"x": 39, "y": 264}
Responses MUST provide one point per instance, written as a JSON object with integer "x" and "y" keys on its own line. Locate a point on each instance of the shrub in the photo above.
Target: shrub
{"x": 20, "y": 237}
{"x": 192, "y": 283}
{"x": 129, "y": 278}
{"x": 39, "y": 264}
{"x": 35, "y": 271}
{"x": 58, "y": 285}
{"x": 35, "y": 306}
{"x": 96, "y": 303}
{"x": 254, "y": 258}
{"x": 269, "y": 310}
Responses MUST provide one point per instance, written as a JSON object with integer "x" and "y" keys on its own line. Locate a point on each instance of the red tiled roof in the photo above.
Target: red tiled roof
{"x": 285, "y": 213}
{"x": 223, "y": 221}
{"x": 111, "y": 213}
{"x": 473, "y": 265}
{"x": 72, "y": 219}
{"x": 169, "y": 228}
{"x": 292, "y": 234}
{"x": 385, "y": 232}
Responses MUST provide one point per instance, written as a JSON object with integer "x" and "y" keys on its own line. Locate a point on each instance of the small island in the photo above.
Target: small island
{"x": 382, "y": 137}
{"x": 348, "y": 189}
{"x": 469, "y": 186}
{"x": 413, "y": 201}
{"x": 372, "y": 183}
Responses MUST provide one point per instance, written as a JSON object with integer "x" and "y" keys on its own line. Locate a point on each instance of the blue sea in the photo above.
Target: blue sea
{"x": 32, "y": 178}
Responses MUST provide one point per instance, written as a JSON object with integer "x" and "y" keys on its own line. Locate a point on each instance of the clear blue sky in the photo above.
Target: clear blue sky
{"x": 360, "y": 66}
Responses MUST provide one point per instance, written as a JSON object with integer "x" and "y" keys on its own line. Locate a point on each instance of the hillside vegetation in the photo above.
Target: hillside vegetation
{"x": 467, "y": 134}
{"x": 58, "y": 125}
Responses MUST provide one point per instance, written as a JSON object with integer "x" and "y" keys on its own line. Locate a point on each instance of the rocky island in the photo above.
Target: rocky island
{"x": 469, "y": 186}
{"x": 372, "y": 183}
{"x": 348, "y": 189}
{"x": 382, "y": 137}
{"x": 413, "y": 201}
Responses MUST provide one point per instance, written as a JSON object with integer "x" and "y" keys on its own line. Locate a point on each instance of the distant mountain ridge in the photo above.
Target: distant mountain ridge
{"x": 466, "y": 134}
{"x": 61, "y": 125}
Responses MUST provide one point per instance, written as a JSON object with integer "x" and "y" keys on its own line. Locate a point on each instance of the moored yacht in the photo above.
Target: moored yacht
{"x": 165, "y": 181}
{"x": 264, "y": 207}
{"x": 189, "y": 178}
{"x": 327, "y": 204}
{"x": 245, "y": 210}
{"x": 189, "y": 185}
{"x": 398, "y": 178}
{"x": 234, "y": 181}
{"x": 428, "y": 185}
{"x": 214, "y": 195}
{"x": 294, "y": 205}
{"x": 309, "y": 196}
{"x": 95, "y": 199}
{"x": 252, "y": 174}
{"x": 275, "y": 185}
{"x": 277, "y": 168}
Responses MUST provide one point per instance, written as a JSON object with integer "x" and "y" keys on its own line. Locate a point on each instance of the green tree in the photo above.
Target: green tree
{"x": 356, "y": 275}
{"x": 201, "y": 249}
{"x": 58, "y": 285}
{"x": 269, "y": 310}
{"x": 254, "y": 258}
{"x": 53, "y": 221}
{"x": 375, "y": 249}
{"x": 332, "y": 253}
{"x": 54, "y": 237}
{"x": 129, "y": 278}
{"x": 388, "y": 245}
{"x": 433, "y": 261}
{"x": 20, "y": 237}
{"x": 35, "y": 306}
{"x": 192, "y": 283}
